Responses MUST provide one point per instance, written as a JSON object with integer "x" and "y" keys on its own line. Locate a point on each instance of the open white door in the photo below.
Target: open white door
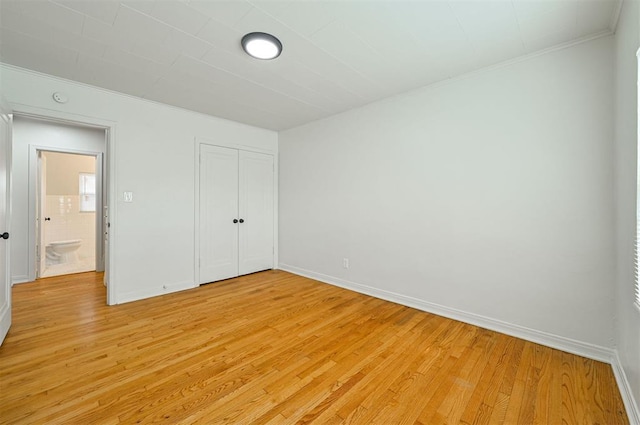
{"x": 41, "y": 219}
{"x": 105, "y": 252}
{"x": 5, "y": 212}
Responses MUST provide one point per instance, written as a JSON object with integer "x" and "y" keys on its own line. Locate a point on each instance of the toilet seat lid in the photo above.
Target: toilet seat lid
{"x": 66, "y": 242}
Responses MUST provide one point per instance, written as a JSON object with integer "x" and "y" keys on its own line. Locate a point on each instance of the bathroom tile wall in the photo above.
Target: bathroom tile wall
{"x": 67, "y": 222}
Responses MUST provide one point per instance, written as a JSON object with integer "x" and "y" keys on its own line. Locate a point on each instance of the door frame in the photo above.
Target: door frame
{"x": 35, "y": 220}
{"x": 41, "y": 190}
{"x": 196, "y": 158}
{"x": 108, "y": 186}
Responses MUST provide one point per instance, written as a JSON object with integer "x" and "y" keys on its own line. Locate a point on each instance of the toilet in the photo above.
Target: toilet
{"x": 63, "y": 251}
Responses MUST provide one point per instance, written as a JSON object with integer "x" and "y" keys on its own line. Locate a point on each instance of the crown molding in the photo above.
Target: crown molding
{"x": 615, "y": 16}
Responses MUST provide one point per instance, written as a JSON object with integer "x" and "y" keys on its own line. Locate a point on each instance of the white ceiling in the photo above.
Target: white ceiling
{"x": 337, "y": 54}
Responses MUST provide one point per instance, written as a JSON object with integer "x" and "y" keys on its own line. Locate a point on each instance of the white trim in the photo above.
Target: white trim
{"x": 110, "y": 168}
{"x": 276, "y": 209}
{"x": 5, "y": 319}
{"x": 149, "y": 293}
{"x": 232, "y": 144}
{"x": 569, "y": 345}
{"x": 509, "y": 62}
{"x": 615, "y": 16}
{"x": 633, "y": 410}
{"x": 99, "y": 207}
{"x": 19, "y": 279}
{"x": 65, "y": 118}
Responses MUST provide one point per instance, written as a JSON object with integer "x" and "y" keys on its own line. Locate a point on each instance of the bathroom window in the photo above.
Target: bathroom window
{"x": 87, "y": 192}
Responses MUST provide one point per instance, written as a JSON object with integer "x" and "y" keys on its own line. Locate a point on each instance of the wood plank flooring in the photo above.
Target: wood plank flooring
{"x": 275, "y": 348}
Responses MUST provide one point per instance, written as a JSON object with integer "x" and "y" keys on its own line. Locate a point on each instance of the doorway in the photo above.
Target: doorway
{"x": 43, "y": 241}
{"x": 68, "y": 188}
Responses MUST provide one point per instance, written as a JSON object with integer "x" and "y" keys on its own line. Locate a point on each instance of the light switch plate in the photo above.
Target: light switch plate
{"x": 128, "y": 196}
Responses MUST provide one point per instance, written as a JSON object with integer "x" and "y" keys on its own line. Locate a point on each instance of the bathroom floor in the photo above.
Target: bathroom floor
{"x": 86, "y": 265}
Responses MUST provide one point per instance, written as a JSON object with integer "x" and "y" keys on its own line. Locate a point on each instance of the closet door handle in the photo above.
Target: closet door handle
{"x": 241, "y": 220}
{"x": 235, "y": 220}
{"x": 5, "y": 235}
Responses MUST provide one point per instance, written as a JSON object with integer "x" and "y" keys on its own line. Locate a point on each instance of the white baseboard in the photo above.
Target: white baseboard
{"x": 5, "y": 321}
{"x": 19, "y": 279}
{"x": 154, "y": 292}
{"x": 569, "y": 345}
{"x": 630, "y": 405}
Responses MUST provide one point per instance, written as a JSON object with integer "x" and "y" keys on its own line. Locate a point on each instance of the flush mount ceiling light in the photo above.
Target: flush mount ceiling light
{"x": 261, "y": 45}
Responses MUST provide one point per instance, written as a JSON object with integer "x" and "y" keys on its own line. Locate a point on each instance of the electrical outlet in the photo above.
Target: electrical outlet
{"x": 128, "y": 196}
{"x": 345, "y": 263}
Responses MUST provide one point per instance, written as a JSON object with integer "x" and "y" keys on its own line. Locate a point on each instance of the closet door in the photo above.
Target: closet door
{"x": 218, "y": 210}
{"x": 256, "y": 211}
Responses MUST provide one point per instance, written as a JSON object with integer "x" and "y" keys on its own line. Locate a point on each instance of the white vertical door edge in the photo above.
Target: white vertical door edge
{"x": 99, "y": 224}
{"x": 256, "y": 204}
{"x": 218, "y": 201}
{"x": 41, "y": 200}
{"x": 5, "y": 219}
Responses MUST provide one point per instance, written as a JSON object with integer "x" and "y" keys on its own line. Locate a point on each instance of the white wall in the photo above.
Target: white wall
{"x": 28, "y": 132}
{"x": 63, "y": 170}
{"x": 154, "y": 158}
{"x": 487, "y": 198}
{"x": 627, "y": 338}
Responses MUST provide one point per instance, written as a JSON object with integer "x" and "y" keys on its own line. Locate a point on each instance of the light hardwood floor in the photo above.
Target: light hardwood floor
{"x": 275, "y": 348}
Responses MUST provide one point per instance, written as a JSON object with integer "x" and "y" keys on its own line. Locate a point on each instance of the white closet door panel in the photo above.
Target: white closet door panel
{"x": 256, "y": 209}
{"x": 218, "y": 209}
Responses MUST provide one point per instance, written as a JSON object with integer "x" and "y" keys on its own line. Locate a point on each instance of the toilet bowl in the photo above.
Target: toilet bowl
{"x": 64, "y": 251}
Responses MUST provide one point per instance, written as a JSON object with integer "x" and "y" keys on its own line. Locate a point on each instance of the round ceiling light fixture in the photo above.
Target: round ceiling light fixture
{"x": 261, "y": 45}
